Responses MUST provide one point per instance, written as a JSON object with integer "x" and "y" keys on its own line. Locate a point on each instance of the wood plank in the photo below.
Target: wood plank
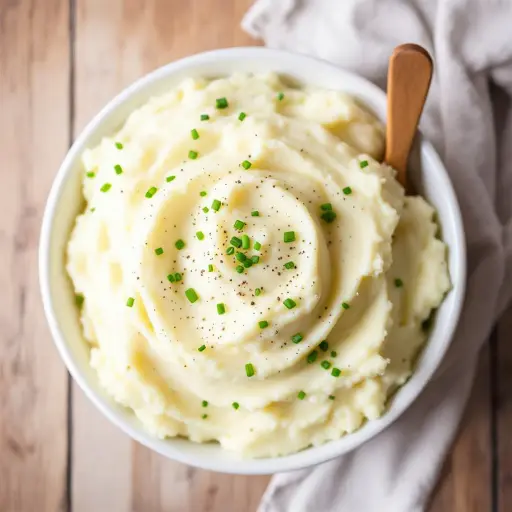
{"x": 132, "y": 477}
{"x": 464, "y": 484}
{"x": 34, "y": 136}
{"x": 504, "y": 413}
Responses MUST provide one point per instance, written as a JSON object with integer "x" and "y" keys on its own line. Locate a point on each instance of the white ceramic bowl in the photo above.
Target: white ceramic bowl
{"x": 65, "y": 203}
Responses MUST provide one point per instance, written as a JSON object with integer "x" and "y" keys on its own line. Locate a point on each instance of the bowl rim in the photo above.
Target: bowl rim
{"x": 312, "y": 455}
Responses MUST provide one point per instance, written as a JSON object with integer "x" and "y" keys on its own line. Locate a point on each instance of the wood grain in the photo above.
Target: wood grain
{"x": 504, "y": 414}
{"x": 34, "y": 58}
{"x": 107, "y": 60}
{"x": 465, "y": 481}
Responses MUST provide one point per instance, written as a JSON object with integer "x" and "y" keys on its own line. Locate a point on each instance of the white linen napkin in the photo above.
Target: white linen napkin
{"x": 470, "y": 122}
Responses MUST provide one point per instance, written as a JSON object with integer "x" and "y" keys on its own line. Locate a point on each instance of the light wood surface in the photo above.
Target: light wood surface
{"x": 60, "y": 61}
{"x": 409, "y": 75}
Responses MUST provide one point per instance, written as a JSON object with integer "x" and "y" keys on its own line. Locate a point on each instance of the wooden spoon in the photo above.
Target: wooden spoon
{"x": 409, "y": 75}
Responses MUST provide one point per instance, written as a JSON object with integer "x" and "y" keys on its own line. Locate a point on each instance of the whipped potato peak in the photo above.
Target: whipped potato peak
{"x": 248, "y": 271}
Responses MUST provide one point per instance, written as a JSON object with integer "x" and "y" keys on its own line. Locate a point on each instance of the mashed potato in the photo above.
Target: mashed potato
{"x": 250, "y": 272}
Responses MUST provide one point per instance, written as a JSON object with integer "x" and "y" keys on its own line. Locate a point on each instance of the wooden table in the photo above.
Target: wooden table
{"x": 60, "y": 60}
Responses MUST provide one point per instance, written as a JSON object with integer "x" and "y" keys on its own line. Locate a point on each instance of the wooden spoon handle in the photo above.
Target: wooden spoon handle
{"x": 409, "y": 75}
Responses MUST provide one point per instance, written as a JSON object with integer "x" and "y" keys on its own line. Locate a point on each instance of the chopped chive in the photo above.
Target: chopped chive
{"x": 236, "y": 242}
{"x": 93, "y": 210}
{"x": 363, "y": 164}
{"x": 326, "y": 207}
{"x": 325, "y": 365}
{"x": 177, "y": 277}
{"x": 280, "y": 96}
{"x": 242, "y": 116}
{"x": 336, "y": 372}
{"x": 221, "y": 308}
{"x": 90, "y": 174}
{"x": 151, "y": 192}
{"x": 106, "y": 187}
{"x": 334, "y": 353}
{"x": 235, "y": 405}
{"x": 204, "y": 403}
{"x": 179, "y": 244}
{"x": 289, "y": 236}
{"x": 255, "y": 213}
{"x": 247, "y": 263}
{"x": 79, "y": 300}
{"x": 249, "y": 370}
{"x": 255, "y": 259}
{"x": 200, "y": 235}
{"x": 191, "y": 295}
{"x": 246, "y": 242}
{"x": 216, "y": 205}
{"x": 257, "y": 246}
{"x": 324, "y": 346}
{"x": 246, "y": 164}
{"x": 230, "y": 251}
{"x": 221, "y": 103}
{"x": 159, "y": 251}
{"x": 347, "y": 191}
{"x": 205, "y": 117}
{"x": 344, "y": 305}
{"x": 170, "y": 178}
{"x": 119, "y": 145}
{"x": 263, "y": 324}
{"x": 290, "y": 265}
{"x": 206, "y": 209}
{"x": 331, "y": 397}
{"x": 201, "y": 348}
{"x": 204, "y": 416}
{"x": 203, "y": 193}
{"x": 240, "y": 256}
{"x": 194, "y": 134}
{"x": 118, "y": 169}
{"x": 257, "y": 292}
{"x": 210, "y": 268}
{"x": 399, "y": 283}
{"x": 328, "y": 216}
{"x": 290, "y": 303}
{"x": 301, "y": 395}
{"x": 171, "y": 278}
{"x": 297, "y": 338}
{"x": 239, "y": 269}
{"x": 239, "y": 225}
{"x": 312, "y": 357}
{"x": 192, "y": 154}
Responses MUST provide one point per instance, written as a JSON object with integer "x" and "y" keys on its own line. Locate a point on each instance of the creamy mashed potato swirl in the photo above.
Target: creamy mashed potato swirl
{"x": 309, "y": 341}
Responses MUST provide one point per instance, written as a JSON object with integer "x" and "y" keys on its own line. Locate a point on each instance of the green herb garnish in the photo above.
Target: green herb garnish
{"x": 290, "y": 303}
{"x": 221, "y": 103}
{"x": 297, "y": 338}
{"x": 191, "y": 295}
{"x": 289, "y": 236}
{"x": 151, "y": 192}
